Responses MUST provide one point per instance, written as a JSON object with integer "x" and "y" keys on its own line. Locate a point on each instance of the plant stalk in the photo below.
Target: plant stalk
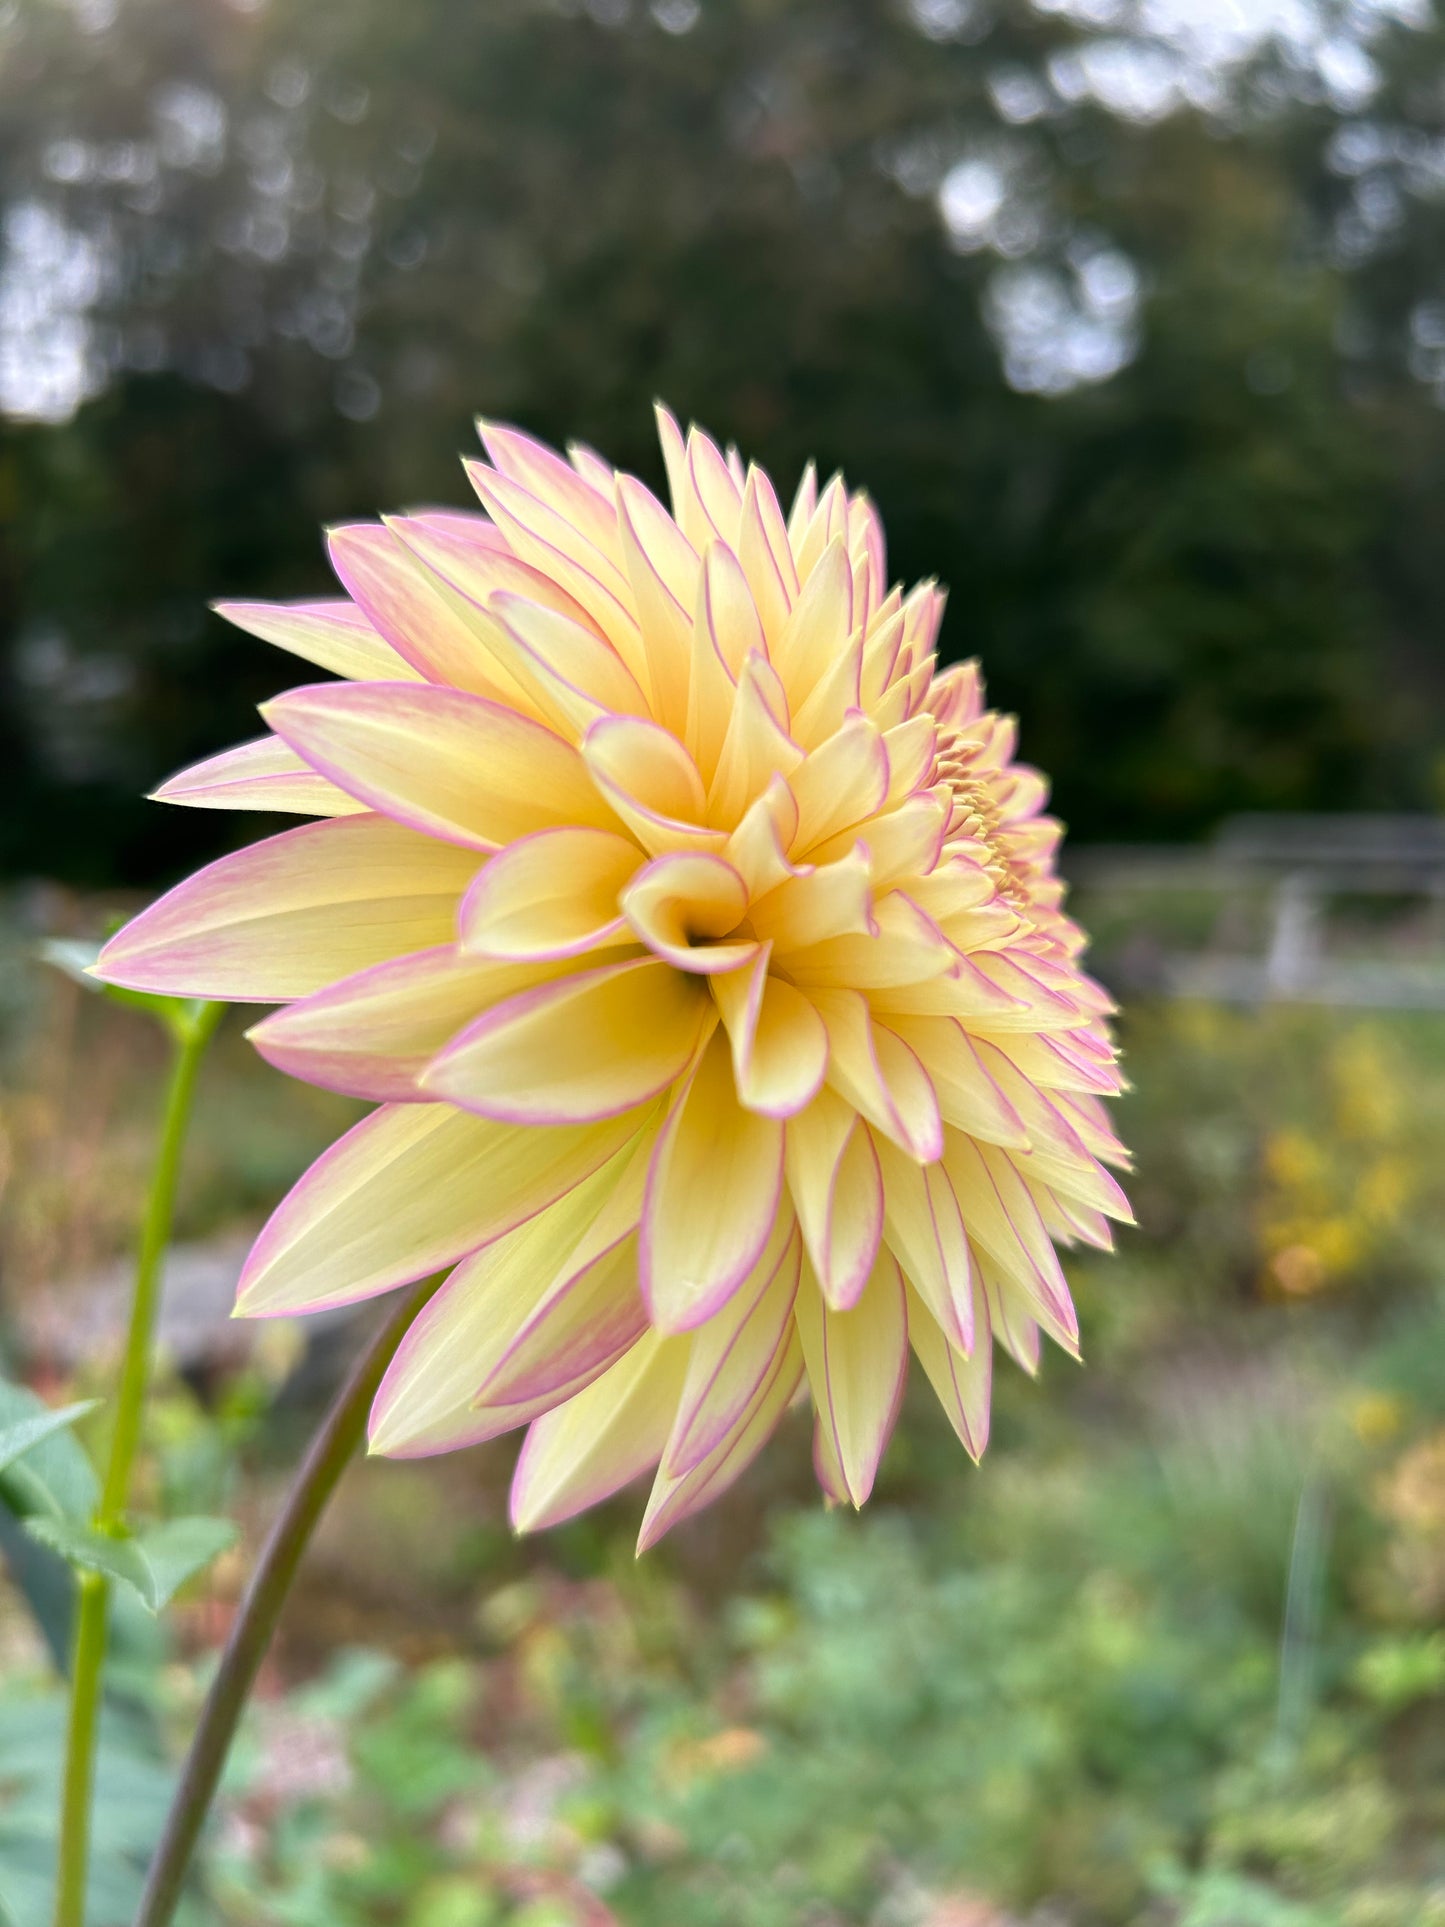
{"x": 191, "y": 1033}
{"x": 326, "y": 1458}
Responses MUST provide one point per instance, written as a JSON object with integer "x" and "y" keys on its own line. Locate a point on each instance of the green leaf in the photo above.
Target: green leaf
{"x": 179, "y": 1015}
{"x": 19, "y": 1435}
{"x": 51, "y": 1477}
{"x": 154, "y": 1563}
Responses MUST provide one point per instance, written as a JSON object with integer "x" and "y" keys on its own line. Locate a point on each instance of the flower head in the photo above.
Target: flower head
{"x": 700, "y": 943}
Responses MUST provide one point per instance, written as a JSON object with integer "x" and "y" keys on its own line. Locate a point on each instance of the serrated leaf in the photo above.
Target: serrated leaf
{"x": 19, "y": 1435}
{"x": 74, "y": 960}
{"x": 52, "y": 1478}
{"x": 154, "y": 1563}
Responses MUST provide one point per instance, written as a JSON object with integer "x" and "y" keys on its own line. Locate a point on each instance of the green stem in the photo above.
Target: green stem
{"x": 92, "y": 1607}
{"x": 337, "y": 1438}
{"x": 191, "y": 1042}
{"x": 192, "y": 1032}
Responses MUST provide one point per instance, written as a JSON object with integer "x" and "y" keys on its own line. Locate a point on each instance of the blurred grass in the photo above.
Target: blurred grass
{"x": 1062, "y": 1690}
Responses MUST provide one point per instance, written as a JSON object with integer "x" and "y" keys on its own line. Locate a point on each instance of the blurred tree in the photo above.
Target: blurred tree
{"x": 1129, "y": 315}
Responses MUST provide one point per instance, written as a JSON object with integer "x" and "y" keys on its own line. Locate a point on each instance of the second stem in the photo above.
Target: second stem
{"x": 192, "y": 1031}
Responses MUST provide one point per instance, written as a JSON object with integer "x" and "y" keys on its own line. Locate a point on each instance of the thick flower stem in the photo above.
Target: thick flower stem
{"x": 326, "y": 1458}
{"x": 192, "y": 1031}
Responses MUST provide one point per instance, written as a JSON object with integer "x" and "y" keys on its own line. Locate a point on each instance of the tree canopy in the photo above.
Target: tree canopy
{"x": 1129, "y": 313}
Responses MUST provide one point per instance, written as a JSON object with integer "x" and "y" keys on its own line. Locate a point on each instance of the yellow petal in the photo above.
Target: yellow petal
{"x": 294, "y": 913}
{"x": 837, "y": 1190}
{"x": 676, "y": 1498}
{"x": 591, "y": 1045}
{"x": 821, "y": 621}
{"x": 967, "y": 1096}
{"x": 804, "y": 503}
{"x": 735, "y": 1350}
{"x": 602, "y": 1439}
{"x": 372, "y": 1035}
{"x": 684, "y": 906}
{"x": 911, "y": 748}
{"x": 576, "y": 674}
{"x": 879, "y": 1075}
{"x": 1004, "y": 1222}
{"x": 779, "y": 1042}
{"x": 543, "y": 473}
{"x": 591, "y": 1311}
{"x": 426, "y": 1401}
{"x": 553, "y": 894}
{"x": 711, "y": 1197}
{"x": 924, "y": 1226}
{"x": 412, "y": 1188}
{"x": 766, "y": 558}
{"x": 261, "y": 775}
{"x": 755, "y": 748}
{"x": 440, "y": 634}
{"x": 687, "y": 509}
{"x": 662, "y": 566}
{"x": 903, "y": 844}
{"x": 884, "y": 638}
{"x": 1008, "y": 1316}
{"x": 335, "y": 635}
{"x": 651, "y": 783}
{"x": 539, "y": 535}
{"x": 833, "y": 697}
{"x": 903, "y": 947}
{"x": 839, "y": 784}
{"x": 827, "y": 525}
{"x": 468, "y": 562}
{"x": 715, "y": 487}
{"x": 448, "y": 764}
{"x": 963, "y": 1384}
{"x": 857, "y": 1365}
{"x": 833, "y": 900}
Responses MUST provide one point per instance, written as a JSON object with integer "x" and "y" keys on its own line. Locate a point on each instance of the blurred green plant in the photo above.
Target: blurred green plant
{"x": 86, "y": 1521}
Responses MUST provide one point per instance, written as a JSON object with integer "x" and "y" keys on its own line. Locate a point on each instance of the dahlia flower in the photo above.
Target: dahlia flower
{"x": 699, "y": 941}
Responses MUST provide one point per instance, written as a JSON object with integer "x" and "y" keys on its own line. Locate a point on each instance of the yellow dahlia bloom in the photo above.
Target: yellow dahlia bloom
{"x": 700, "y": 943}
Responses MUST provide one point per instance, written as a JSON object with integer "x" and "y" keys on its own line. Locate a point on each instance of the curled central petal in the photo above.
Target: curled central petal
{"x": 701, "y": 944}
{"x": 691, "y": 910}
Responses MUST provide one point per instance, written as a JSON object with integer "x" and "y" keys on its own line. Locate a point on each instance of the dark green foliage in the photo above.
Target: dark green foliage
{"x": 1207, "y": 583}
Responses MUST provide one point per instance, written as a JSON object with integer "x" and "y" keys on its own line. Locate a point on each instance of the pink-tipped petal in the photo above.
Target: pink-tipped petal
{"x": 779, "y": 1042}
{"x": 857, "y": 1365}
{"x": 712, "y": 1195}
{"x": 541, "y": 470}
{"x": 837, "y": 1190}
{"x": 735, "y": 1351}
{"x": 839, "y": 784}
{"x": 877, "y": 1073}
{"x": 602, "y": 1439}
{"x": 261, "y": 775}
{"x": 411, "y": 1188}
{"x": 447, "y": 764}
{"x": 429, "y": 1392}
{"x": 334, "y": 635}
{"x": 1004, "y": 1221}
{"x": 438, "y": 633}
{"x": 587, "y": 1046}
{"x": 372, "y": 1035}
{"x": 552, "y": 894}
{"x": 684, "y": 906}
{"x": 294, "y": 913}
{"x": 651, "y": 783}
{"x": 927, "y": 1233}
{"x": 963, "y": 1384}
{"x": 674, "y": 1499}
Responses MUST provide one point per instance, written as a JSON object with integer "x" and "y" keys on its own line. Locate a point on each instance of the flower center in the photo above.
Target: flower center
{"x": 976, "y": 815}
